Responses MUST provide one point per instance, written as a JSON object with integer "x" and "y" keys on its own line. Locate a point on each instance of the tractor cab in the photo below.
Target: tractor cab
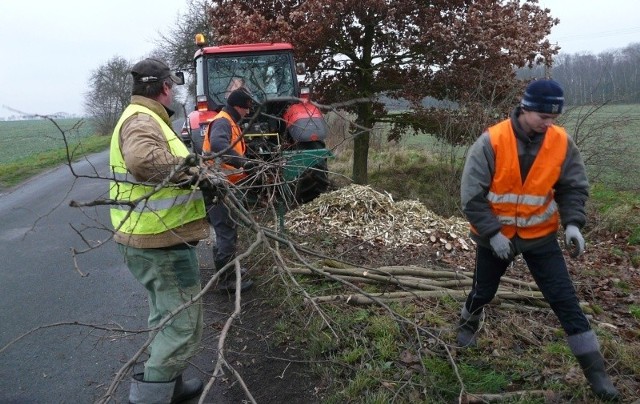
{"x": 283, "y": 125}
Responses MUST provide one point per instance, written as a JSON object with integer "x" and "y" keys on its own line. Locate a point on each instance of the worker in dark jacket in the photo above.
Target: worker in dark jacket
{"x": 523, "y": 178}
{"x": 224, "y": 138}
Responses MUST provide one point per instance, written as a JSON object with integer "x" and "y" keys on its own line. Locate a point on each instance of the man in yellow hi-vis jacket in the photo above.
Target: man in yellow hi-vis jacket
{"x": 157, "y": 229}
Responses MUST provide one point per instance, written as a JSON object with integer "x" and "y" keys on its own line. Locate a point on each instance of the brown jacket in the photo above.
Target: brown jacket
{"x": 148, "y": 157}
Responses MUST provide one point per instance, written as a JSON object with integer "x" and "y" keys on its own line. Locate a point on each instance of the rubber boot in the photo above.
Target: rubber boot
{"x": 592, "y": 365}
{"x": 468, "y": 328}
{"x": 227, "y": 280}
{"x": 186, "y": 390}
{"x": 150, "y": 392}
{"x": 587, "y": 351}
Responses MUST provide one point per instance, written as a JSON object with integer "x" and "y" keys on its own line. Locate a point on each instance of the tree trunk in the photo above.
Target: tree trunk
{"x": 361, "y": 144}
{"x": 360, "y": 158}
{"x": 365, "y": 119}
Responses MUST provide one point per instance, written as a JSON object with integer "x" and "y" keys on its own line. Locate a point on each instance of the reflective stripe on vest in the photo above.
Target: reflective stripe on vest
{"x": 527, "y": 209}
{"x": 154, "y": 212}
{"x": 233, "y": 174}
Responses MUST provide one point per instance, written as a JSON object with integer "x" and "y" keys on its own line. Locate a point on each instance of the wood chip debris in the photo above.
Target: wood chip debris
{"x": 361, "y": 212}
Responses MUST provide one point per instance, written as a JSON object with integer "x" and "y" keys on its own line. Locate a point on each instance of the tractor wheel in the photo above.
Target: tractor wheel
{"x": 312, "y": 182}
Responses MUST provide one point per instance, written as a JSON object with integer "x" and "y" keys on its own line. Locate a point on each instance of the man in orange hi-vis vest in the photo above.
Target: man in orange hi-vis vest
{"x": 224, "y": 137}
{"x": 524, "y": 178}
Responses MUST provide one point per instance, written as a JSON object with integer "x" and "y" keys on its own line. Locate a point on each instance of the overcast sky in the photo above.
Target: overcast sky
{"x": 49, "y": 48}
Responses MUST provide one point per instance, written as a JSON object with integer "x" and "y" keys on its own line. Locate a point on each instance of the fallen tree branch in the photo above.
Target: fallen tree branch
{"x": 408, "y": 282}
{"x": 460, "y": 295}
{"x": 418, "y": 272}
{"x": 415, "y": 282}
{"x": 469, "y": 398}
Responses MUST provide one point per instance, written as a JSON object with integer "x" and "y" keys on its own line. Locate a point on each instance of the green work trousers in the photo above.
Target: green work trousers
{"x": 172, "y": 278}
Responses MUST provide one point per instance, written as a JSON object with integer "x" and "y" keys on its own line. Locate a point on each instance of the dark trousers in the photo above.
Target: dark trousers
{"x": 549, "y": 270}
{"x": 226, "y": 230}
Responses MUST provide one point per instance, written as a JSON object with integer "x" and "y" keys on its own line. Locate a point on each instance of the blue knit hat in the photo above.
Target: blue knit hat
{"x": 544, "y": 96}
{"x": 239, "y": 98}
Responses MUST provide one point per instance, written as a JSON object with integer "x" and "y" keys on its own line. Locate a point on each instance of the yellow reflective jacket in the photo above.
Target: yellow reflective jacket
{"x": 153, "y": 212}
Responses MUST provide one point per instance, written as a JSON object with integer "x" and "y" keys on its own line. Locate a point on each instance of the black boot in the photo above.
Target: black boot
{"x": 467, "y": 329}
{"x": 586, "y": 348}
{"x": 150, "y": 392}
{"x": 592, "y": 365}
{"x": 184, "y": 391}
{"x": 227, "y": 279}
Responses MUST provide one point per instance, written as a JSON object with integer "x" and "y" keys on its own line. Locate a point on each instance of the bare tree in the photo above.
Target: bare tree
{"x": 608, "y": 77}
{"x": 177, "y": 47}
{"x": 109, "y": 93}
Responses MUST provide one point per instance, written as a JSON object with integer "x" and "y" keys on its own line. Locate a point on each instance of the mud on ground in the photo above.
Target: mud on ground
{"x": 274, "y": 371}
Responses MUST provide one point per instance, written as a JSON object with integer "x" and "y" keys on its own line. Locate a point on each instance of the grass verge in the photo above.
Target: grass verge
{"x": 406, "y": 352}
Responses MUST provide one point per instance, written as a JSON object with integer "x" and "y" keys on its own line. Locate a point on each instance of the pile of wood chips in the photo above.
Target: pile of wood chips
{"x": 361, "y": 212}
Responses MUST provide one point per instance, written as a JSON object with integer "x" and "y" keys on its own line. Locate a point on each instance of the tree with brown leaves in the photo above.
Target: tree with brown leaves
{"x": 463, "y": 51}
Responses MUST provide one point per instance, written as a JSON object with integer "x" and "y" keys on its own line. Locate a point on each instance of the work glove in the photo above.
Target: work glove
{"x": 502, "y": 247}
{"x": 573, "y": 240}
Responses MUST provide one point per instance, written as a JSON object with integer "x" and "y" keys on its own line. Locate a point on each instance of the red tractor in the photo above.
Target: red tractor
{"x": 285, "y": 127}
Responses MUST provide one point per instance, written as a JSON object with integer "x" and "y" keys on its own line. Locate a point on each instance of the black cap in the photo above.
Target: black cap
{"x": 544, "y": 96}
{"x": 151, "y": 70}
{"x": 239, "y": 98}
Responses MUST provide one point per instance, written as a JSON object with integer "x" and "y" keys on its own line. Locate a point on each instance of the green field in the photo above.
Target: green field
{"x": 604, "y": 123}
{"x": 29, "y": 147}
{"x": 608, "y": 137}
{"x": 21, "y": 139}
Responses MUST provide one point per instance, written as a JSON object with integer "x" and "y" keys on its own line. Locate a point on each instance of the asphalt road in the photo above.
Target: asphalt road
{"x": 41, "y": 287}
